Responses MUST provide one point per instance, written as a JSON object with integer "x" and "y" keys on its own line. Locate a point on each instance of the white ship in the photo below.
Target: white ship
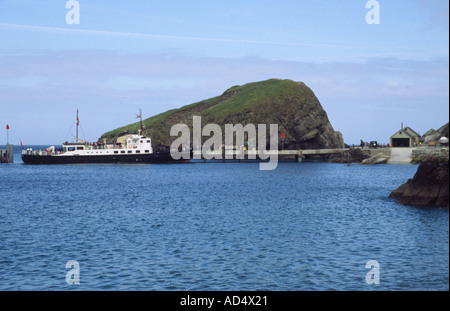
{"x": 137, "y": 149}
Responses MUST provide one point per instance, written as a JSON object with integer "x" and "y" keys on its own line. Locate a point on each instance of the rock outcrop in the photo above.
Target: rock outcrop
{"x": 291, "y": 105}
{"x": 434, "y": 135}
{"x": 429, "y": 187}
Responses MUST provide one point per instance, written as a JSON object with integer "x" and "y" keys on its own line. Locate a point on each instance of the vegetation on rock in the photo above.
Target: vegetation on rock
{"x": 291, "y": 105}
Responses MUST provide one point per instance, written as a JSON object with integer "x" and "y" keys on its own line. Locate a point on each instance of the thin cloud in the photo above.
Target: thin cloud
{"x": 135, "y": 35}
{"x": 347, "y": 52}
{"x": 166, "y": 37}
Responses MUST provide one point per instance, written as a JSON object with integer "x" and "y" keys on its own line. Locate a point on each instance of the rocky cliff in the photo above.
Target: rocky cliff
{"x": 429, "y": 187}
{"x": 291, "y": 105}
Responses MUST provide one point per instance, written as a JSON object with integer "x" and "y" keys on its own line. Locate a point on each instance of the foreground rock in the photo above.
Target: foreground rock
{"x": 429, "y": 187}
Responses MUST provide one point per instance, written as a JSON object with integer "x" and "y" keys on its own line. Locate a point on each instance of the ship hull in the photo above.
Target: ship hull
{"x": 162, "y": 158}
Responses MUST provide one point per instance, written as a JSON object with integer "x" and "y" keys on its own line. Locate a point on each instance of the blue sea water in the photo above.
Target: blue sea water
{"x": 217, "y": 226}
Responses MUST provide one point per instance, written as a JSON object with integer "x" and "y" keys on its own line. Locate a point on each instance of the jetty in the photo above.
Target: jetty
{"x": 244, "y": 155}
{"x": 344, "y": 155}
{"x": 7, "y": 155}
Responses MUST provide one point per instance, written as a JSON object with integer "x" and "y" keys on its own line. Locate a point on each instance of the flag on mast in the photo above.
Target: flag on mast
{"x": 7, "y": 126}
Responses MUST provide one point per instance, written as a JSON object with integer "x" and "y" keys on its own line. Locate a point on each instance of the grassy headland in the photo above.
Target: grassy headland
{"x": 291, "y": 105}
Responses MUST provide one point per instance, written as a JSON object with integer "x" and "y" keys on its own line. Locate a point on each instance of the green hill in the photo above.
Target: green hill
{"x": 291, "y": 105}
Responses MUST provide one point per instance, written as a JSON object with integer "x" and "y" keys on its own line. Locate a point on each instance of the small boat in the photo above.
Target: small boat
{"x": 137, "y": 149}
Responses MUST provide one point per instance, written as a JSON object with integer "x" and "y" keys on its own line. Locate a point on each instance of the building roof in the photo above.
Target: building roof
{"x": 407, "y": 131}
{"x": 410, "y": 129}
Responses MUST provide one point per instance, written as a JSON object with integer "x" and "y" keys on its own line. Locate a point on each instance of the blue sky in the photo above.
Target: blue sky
{"x": 126, "y": 55}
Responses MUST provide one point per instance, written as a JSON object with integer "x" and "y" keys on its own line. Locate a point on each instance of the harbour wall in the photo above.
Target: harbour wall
{"x": 7, "y": 155}
{"x": 423, "y": 153}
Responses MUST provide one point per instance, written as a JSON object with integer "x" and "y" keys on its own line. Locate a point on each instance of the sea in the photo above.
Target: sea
{"x": 310, "y": 226}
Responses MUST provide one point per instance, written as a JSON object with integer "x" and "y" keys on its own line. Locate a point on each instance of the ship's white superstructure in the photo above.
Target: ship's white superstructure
{"x": 135, "y": 144}
{"x": 136, "y": 149}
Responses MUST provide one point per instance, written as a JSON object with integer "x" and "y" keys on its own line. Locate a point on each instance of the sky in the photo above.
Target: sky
{"x": 159, "y": 55}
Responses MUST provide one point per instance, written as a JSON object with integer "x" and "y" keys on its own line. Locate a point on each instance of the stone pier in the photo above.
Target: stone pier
{"x": 7, "y": 155}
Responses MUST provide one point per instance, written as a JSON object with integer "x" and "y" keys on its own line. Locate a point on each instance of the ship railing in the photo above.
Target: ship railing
{"x": 104, "y": 147}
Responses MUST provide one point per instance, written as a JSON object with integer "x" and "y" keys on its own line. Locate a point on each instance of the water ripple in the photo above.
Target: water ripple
{"x": 309, "y": 226}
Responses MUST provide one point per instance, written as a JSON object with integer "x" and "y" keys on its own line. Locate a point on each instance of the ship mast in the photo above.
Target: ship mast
{"x": 141, "y": 127}
{"x": 78, "y": 122}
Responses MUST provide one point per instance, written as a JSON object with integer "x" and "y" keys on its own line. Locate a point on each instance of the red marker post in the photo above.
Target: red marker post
{"x": 7, "y": 134}
{"x": 282, "y": 141}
